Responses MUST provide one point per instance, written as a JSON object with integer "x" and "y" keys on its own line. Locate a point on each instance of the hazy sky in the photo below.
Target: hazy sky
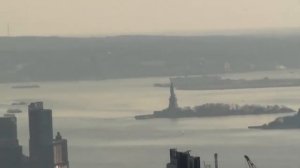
{"x": 109, "y": 17}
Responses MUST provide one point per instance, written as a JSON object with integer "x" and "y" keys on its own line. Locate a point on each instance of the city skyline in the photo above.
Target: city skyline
{"x": 44, "y": 150}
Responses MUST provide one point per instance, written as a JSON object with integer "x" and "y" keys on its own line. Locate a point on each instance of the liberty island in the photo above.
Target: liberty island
{"x": 211, "y": 109}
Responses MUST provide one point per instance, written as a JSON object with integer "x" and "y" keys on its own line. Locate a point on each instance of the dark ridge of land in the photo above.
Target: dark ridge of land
{"x": 288, "y": 122}
{"x": 31, "y": 59}
{"x": 215, "y": 110}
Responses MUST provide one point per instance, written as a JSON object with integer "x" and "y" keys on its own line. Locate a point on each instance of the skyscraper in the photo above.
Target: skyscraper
{"x": 10, "y": 150}
{"x": 41, "y": 136}
{"x": 60, "y": 146}
{"x": 183, "y": 160}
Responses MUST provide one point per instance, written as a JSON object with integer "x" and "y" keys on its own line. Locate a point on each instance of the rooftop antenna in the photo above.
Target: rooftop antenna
{"x": 216, "y": 161}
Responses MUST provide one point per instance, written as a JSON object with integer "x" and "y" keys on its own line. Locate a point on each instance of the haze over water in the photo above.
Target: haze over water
{"x": 97, "y": 119}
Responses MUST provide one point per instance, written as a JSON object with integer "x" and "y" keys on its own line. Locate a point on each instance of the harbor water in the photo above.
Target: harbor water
{"x": 97, "y": 118}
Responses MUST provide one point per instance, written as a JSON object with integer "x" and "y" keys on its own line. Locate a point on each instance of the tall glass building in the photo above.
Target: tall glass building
{"x": 10, "y": 150}
{"x": 41, "y": 136}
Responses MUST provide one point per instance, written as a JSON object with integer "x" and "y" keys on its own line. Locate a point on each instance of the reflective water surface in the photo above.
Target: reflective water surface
{"x": 97, "y": 119}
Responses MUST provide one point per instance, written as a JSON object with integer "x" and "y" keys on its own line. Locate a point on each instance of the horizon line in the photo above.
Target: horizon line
{"x": 229, "y": 32}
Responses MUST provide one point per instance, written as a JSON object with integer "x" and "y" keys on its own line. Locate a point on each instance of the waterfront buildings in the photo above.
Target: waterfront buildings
{"x": 10, "y": 150}
{"x": 41, "y": 136}
{"x": 183, "y": 160}
{"x": 60, "y": 147}
{"x": 44, "y": 151}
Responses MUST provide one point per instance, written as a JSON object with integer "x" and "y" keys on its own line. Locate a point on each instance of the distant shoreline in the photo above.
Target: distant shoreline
{"x": 219, "y": 83}
{"x": 288, "y": 122}
{"x": 36, "y": 59}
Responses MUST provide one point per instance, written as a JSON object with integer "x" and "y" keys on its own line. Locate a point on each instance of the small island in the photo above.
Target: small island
{"x": 287, "y": 122}
{"x": 211, "y": 109}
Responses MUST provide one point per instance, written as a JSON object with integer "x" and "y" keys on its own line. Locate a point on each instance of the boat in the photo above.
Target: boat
{"x": 25, "y": 86}
{"x": 12, "y": 111}
{"x": 9, "y": 115}
{"x": 144, "y": 117}
{"x": 19, "y": 103}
